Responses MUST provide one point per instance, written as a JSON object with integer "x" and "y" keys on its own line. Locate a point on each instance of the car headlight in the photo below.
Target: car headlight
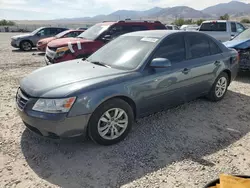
{"x": 54, "y": 105}
{"x": 61, "y": 51}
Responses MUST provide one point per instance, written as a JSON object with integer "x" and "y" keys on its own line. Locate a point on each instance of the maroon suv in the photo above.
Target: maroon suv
{"x": 94, "y": 38}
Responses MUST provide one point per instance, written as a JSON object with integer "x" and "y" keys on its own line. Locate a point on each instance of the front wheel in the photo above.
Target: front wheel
{"x": 111, "y": 122}
{"x": 219, "y": 88}
{"x": 26, "y": 46}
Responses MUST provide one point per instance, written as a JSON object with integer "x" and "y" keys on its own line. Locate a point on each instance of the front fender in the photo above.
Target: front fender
{"x": 88, "y": 102}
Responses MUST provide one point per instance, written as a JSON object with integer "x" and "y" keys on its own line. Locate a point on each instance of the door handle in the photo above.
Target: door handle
{"x": 186, "y": 71}
{"x": 217, "y": 63}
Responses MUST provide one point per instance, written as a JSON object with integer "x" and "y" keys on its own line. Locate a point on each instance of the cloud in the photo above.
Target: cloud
{"x": 52, "y": 9}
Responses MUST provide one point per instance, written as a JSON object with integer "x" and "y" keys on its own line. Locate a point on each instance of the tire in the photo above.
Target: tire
{"x": 26, "y": 45}
{"x": 223, "y": 81}
{"x": 100, "y": 123}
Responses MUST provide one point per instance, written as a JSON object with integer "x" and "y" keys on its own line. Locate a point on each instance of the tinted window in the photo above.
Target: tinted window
{"x": 159, "y": 27}
{"x": 138, "y": 28}
{"x": 214, "y": 48}
{"x": 198, "y": 46}
{"x": 172, "y": 49}
{"x": 233, "y": 27}
{"x": 169, "y": 27}
{"x": 214, "y": 26}
{"x": 54, "y": 31}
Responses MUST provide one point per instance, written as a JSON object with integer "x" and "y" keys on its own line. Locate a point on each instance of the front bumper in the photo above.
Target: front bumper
{"x": 14, "y": 44}
{"x": 41, "y": 48}
{"x": 64, "y": 127}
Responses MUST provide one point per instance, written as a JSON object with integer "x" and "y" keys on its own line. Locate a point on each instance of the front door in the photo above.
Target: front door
{"x": 164, "y": 87}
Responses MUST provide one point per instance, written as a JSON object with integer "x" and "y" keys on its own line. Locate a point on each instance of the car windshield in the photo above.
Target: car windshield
{"x": 125, "y": 52}
{"x": 94, "y": 32}
{"x": 35, "y": 31}
{"x": 243, "y": 36}
{"x": 59, "y": 35}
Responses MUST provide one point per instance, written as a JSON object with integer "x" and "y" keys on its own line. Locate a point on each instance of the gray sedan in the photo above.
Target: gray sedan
{"x": 29, "y": 40}
{"x": 135, "y": 75}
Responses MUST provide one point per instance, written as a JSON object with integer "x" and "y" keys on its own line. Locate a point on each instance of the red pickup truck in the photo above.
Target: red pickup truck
{"x": 94, "y": 38}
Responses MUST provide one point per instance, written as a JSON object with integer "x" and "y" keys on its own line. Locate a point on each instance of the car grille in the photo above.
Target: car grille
{"x": 52, "y": 49}
{"x": 21, "y": 99}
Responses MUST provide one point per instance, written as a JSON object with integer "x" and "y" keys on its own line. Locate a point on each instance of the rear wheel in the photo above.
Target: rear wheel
{"x": 26, "y": 45}
{"x": 111, "y": 122}
{"x": 219, "y": 88}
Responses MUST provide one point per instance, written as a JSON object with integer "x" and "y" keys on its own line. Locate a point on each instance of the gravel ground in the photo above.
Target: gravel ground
{"x": 187, "y": 146}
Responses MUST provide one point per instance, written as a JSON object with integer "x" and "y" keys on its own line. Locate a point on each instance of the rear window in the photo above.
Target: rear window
{"x": 214, "y": 26}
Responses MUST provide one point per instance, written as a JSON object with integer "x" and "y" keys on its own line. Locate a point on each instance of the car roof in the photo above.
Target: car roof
{"x": 154, "y": 33}
{"x": 220, "y": 21}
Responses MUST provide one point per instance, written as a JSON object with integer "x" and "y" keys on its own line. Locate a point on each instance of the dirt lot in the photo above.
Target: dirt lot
{"x": 184, "y": 147}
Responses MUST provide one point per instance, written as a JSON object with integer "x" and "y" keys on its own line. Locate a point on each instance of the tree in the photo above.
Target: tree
{"x": 225, "y": 17}
{"x": 245, "y": 20}
{"x": 179, "y": 22}
{"x": 199, "y": 22}
{"x": 7, "y": 23}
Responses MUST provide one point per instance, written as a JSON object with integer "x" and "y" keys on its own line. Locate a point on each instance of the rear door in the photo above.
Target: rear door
{"x": 205, "y": 58}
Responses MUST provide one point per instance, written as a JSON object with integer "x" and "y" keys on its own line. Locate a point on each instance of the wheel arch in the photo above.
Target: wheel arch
{"x": 28, "y": 40}
{"x": 228, "y": 72}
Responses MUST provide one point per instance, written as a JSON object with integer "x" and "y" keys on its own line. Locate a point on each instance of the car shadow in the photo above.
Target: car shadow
{"x": 190, "y": 131}
{"x": 21, "y": 51}
{"x": 243, "y": 76}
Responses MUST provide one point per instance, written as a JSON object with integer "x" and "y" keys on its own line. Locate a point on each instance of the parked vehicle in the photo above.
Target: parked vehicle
{"x": 222, "y": 30}
{"x": 192, "y": 27}
{"x": 241, "y": 43}
{"x": 172, "y": 27}
{"x": 132, "y": 76}
{"x": 27, "y": 41}
{"x": 42, "y": 44}
{"x": 93, "y": 39}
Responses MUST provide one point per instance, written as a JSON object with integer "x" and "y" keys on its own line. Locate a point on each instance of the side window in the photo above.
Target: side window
{"x": 71, "y": 34}
{"x": 240, "y": 27}
{"x": 118, "y": 30}
{"x": 214, "y": 48}
{"x": 198, "y": 46}
{"x": 41, "y": 32}
{"x": 54, "y": 31}
{"x": 160, "y": 27}
{"x": 138, "y": 28}
{"x": 169, "y": 27}
{"x": 172, "y": 48}
{"x": 233, "y": 27}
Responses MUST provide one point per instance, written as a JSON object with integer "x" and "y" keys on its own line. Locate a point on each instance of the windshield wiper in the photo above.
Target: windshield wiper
{"x": 100, "y": 63}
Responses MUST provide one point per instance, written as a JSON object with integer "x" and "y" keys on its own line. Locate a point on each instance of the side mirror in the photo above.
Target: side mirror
{"x": 38, "y": 34}
{"x": 160, "y": 63}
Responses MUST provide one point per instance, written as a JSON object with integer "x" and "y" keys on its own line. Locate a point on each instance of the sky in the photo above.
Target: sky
{"x": 54, "y": 9}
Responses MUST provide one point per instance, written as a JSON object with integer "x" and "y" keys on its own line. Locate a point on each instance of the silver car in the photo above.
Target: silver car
{"x": 132, "y": 76}
{"x": 27, "y": 41}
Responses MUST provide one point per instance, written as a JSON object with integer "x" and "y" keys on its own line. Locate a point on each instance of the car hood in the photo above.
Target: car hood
{"x": 22, "y": 36}
{"x": 61, "y": 80}
{"x": 234, "y": 43}
{"x": 47, "y": 40}
{"x": 64, "y": 41}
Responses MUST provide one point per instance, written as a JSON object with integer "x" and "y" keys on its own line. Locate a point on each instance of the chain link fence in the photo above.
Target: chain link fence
{"x": 29, "y": 28}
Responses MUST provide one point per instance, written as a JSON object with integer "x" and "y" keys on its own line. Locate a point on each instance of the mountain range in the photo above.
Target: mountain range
{"x": 233, "y": 8}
